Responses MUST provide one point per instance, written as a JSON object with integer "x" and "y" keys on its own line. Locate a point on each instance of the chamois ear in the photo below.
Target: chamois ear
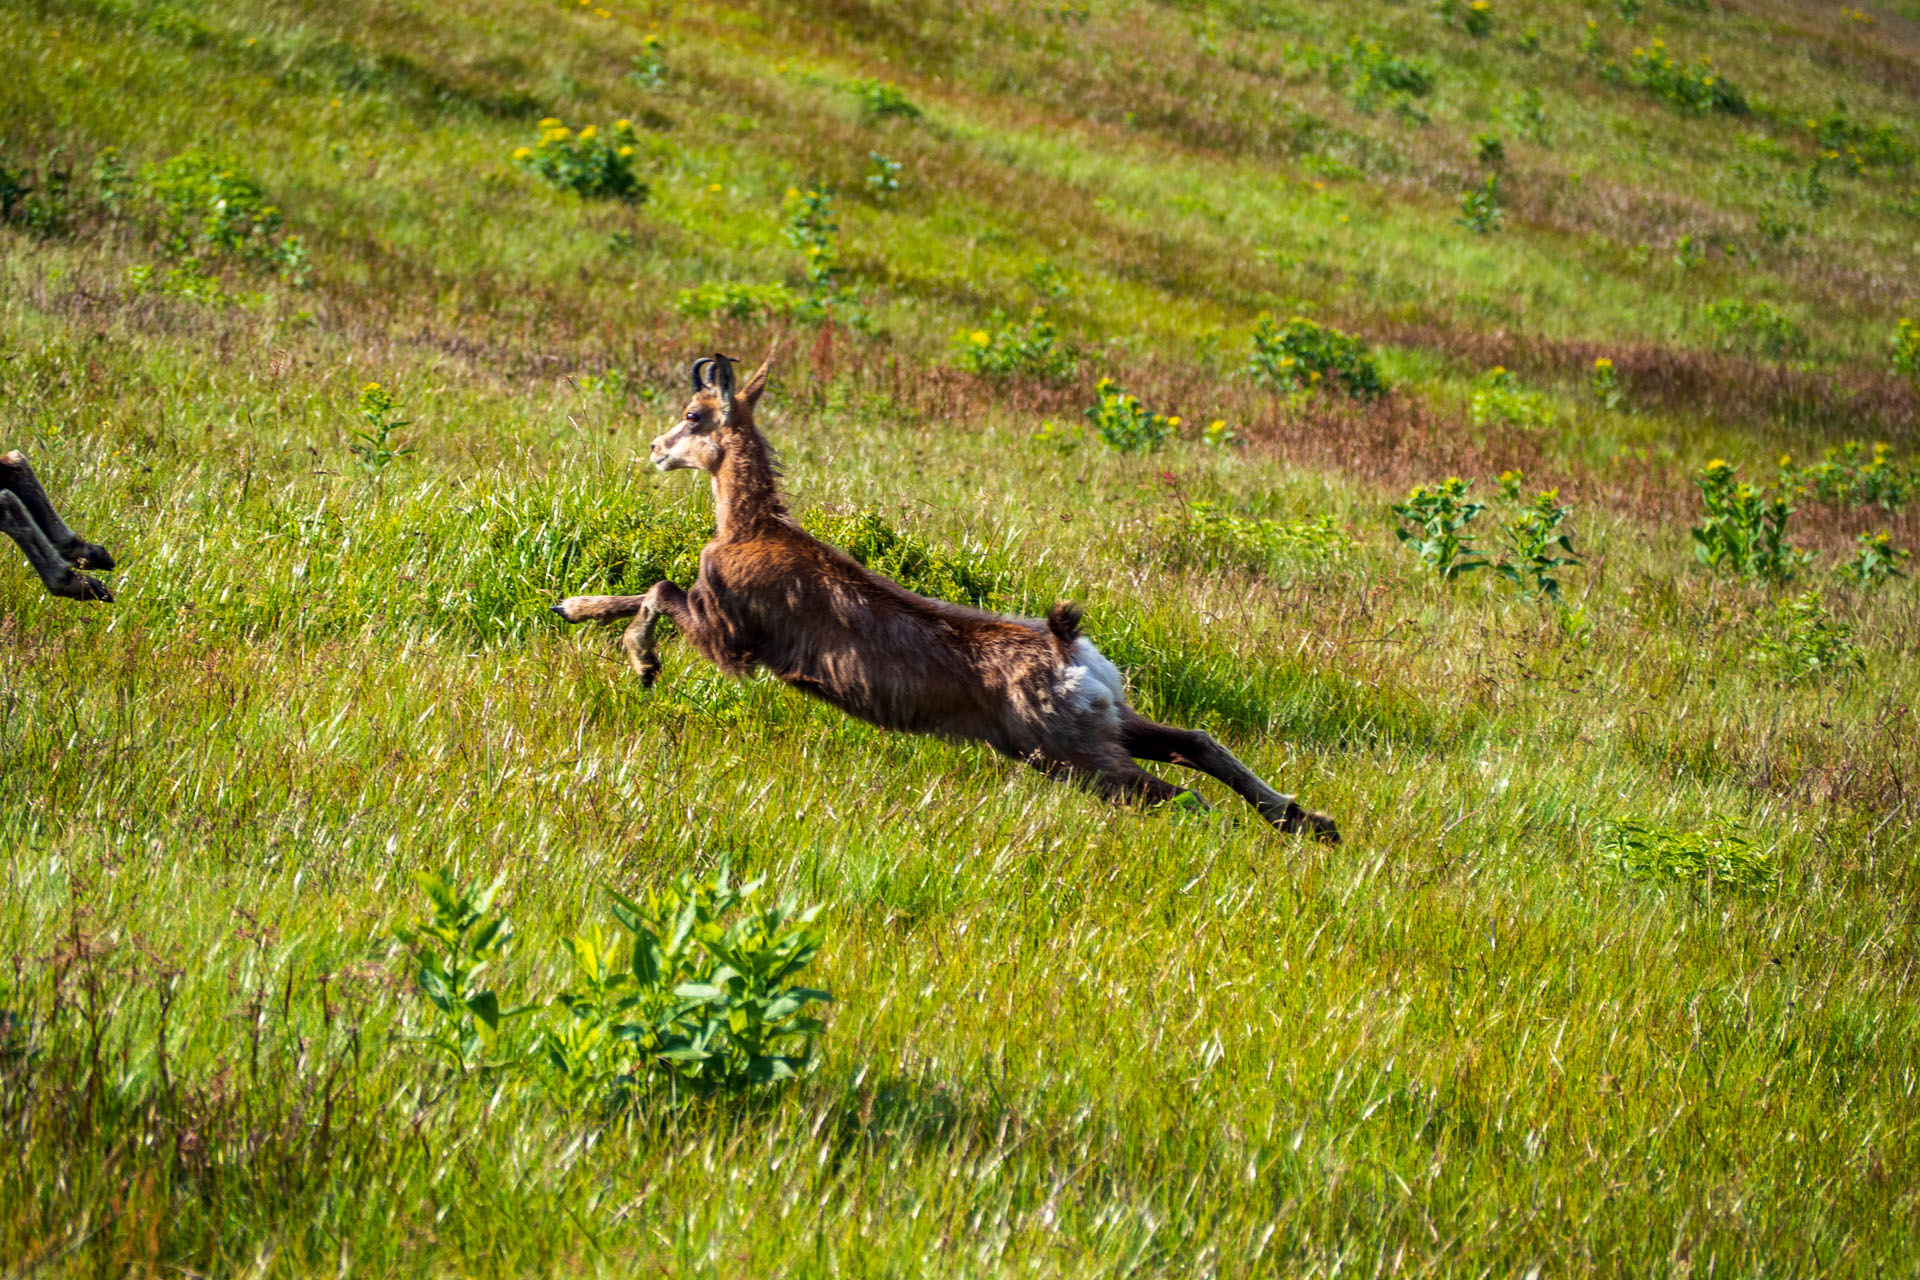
{"x": 758, "y": 382}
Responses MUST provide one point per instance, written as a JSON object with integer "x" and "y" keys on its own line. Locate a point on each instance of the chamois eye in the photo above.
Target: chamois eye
{"x": 692, "y": 416}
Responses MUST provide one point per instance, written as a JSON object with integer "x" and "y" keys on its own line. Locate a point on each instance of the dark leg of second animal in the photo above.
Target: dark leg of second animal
{"x": 18, "y": 524}
{"x": 1147, "y": 739}
{"x": 1122, "y": 783}
{"x": 17, "y": 477}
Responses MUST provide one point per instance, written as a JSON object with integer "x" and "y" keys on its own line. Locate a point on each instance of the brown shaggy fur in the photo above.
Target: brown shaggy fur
{"x": 771, "y": 595}
{"x": 55, "y": 551}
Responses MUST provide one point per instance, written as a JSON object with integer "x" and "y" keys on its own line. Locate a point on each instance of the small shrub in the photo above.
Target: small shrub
{"x": 879, "y": 100}
{"x": 374, "y": 446}
{"x": 1604, "y": 382}
{"x": 1480, "y": 209}
{"x": 1371, "y": 71}
{"x": 1905, "y": 345}
{"x": 712, "y": 299}
{"x": 1852, "y": 474}
{"x": 1498, "y": 397}
{"x": 1538, "y": 545}
{"x": 210, "y": 209}
{"x": 1757, "y": 327}
{"x": 45, "y": 203}
{"x": 649, "y": 65}
{"x": 1856, "y": 145}
{"x": 1303, "y": 353}
{"x": 1717, "y": 857}
{"x": 1527, "y": 113}
{"x": 1475, "y": 17}
{"x": 1808, "y": 643}
{"x": 1875, "y": 561}
{"x": 1126, "y": 424}
{"x": 1433, "y": 522}
{"x": 699, "y": 996}
{"x": 1202, "y": 535}
{"x": 1699, "y": 88}
{"x": 451, "y": 949}
{"x": 1744, "y": 532}
{"x": 883, "y": 178}
{"x": 591, "y": 164}
{"x": 814, "y": 229}
{"x": 1488, "y": 150}
{"x": 1032, "y": 349}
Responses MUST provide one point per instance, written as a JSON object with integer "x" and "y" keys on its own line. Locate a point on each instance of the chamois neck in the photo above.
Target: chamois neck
{"x": 746, "y": 492}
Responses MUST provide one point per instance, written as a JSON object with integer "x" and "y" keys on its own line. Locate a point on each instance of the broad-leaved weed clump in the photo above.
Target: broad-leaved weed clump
{"x": 814, "y": 228}
{"x": 1875, "y": 561}
{"x": 592, "y": 163}
{"x": 712, "y": 299}
{"x": 42, "y": 202}
{"x": 1700, "y": 87}
{"x": 1481, "y": 210}
{"x": 649, "y": 65}
{"x": 1743, "y": 532}
{"x": 1498, "y": 397}
{"x": 1370, "y": 72}
{"x": 1305, "y": 354}
{"x": 1604, "y": 381}
{"x": 880, "y": 100}
{"x": 696, "y": 995}
{"x": 1853, "y": 474}
{"x": 373, "y": 444}
{"x": 209, "y": 209}
{"x": 1031, "y": 348}
{"x": 1716, "y": 858}
{"x": 1433, "y": 521}
{"x": 1806, "y": 642}
{"x": 1124, "y": 423}
{"x": 1905, "y": 345}
{"x": 1537, "y": 543}
{"x": 1758, "y": 328}
{"x": 1203, "y": 535}
{"x": 1856, "y": 145}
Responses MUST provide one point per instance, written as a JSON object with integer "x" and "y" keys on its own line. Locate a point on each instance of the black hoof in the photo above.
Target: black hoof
{"x": 90, "y": 556}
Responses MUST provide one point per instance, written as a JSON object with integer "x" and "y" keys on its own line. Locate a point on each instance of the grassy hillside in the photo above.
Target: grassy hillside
{"x": 1614, "y": 972}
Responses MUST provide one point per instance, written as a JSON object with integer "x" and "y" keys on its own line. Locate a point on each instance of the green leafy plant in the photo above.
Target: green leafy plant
{"x": 1905, "y": 345}
{"x": 1124, "y": 423}
{"x": 1717, "y": 857}
{"x": 591, "y": 163}
{"x": 1853, "y": 474}
{"x": 209, "y": 209}
{"x": 374, "y": 445}
{"x": 649, "y": 65}
{"x": 1807, "y": 643}
{"x": 1480, "y": 209}
{"x": 451, "y": 950}
{"x": 883, "y": 176}
{"x": 1477, "y": 18}
{"x": 1489, "y": 150}
{"x": 715, "y": 298}
{"x": 908, "y": 560}
{"x": 1605, "y": 384}
{"x": 1757, "y": 327}
{"x": 1303, "y": 353}
{"x": 1537, "y": 543}
{"x": 1744, "y": 531}
{"x": 1033, "y": 348}
{"x": 1433, "y": 522}
{"x": 1499, "y": 398}
{"x": 699, "y": 996}
{"x": 1875, "y": 561}
{"x": 813, "y": 228}
{"x": 1855, "y": 145}
{"x": 1370, "y": 71}
{"x": 44, "y": 203}
{"x": 1203, "y": 535}
{"x": 1526, "y": 113}
{"x": 1701, "y": 87}
{"x": 880, "y": 100}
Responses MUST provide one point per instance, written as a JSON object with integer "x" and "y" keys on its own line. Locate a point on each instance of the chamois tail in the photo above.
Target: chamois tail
{"x": 1064, "y": 621}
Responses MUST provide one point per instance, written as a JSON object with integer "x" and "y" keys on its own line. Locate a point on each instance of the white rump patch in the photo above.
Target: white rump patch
{"x": 1091, "y": 685}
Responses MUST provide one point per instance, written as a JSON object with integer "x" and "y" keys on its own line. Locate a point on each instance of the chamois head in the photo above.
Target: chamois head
{"x": 715, "y": 419}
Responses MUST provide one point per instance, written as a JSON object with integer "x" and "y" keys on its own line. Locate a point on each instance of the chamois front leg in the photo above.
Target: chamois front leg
{"x": 1149, "y": 740}
{"x": 17, "y": 477}
{"x": 662, "y": 599}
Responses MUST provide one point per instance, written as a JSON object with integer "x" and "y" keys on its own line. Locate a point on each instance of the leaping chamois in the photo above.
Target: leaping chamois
{"x": 771, "y": 595}
{"x": 55, "y": 551}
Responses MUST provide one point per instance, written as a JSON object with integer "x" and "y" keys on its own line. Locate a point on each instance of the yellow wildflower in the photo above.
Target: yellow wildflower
{"x": 625, "y": 152}
{"x": 980, "y": 338}
{"x": 521, "y": 153}
{"x": 550, "y": 123}
{"x": 623, "y": 123}
{"x": 589, "y": 133}
{"x": 1174, "y": 421}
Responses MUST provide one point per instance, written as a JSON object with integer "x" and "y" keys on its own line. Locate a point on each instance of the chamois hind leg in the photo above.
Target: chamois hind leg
{"x": 17, "y": 524}
{"x": 1121, "y": 782}
{"x": 1147, "y": 739}
{"x": 17, "y": 478}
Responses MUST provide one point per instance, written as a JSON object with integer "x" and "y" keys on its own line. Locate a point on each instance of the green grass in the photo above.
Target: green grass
{"x": 1476, "y": 1038}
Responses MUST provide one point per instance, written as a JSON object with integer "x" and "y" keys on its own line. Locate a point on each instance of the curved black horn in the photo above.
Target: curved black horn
{"x": 704, "y": 363}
